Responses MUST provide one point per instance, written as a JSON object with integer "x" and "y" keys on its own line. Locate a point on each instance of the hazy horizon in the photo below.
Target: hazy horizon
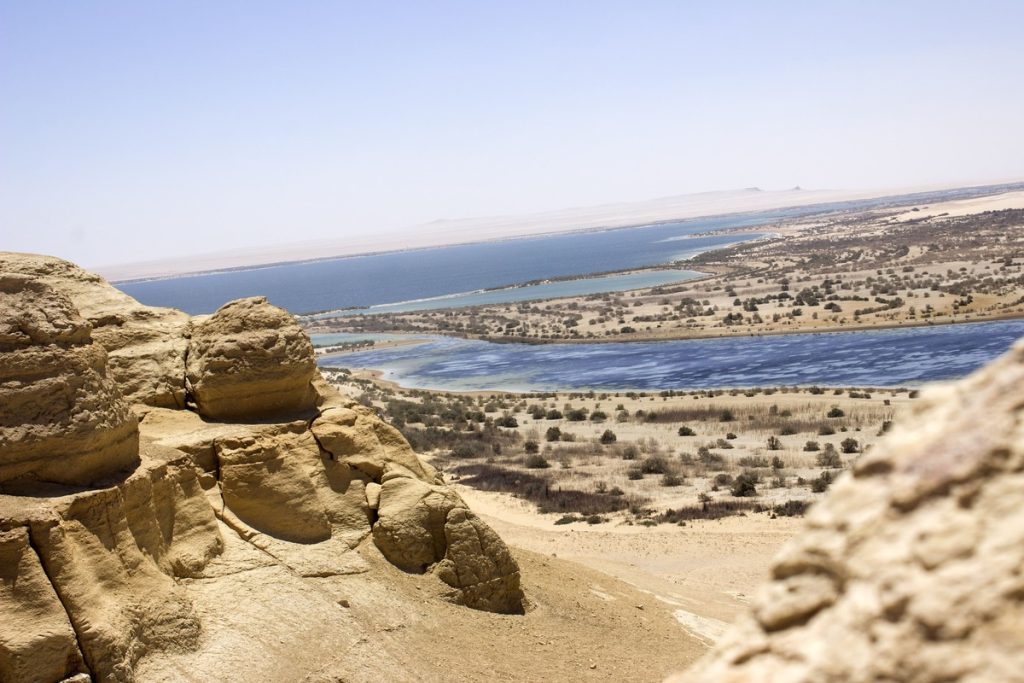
{"x": 134, "y": 133}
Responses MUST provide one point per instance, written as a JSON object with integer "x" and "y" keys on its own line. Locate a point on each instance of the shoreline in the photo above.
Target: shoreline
{"x": 648, "y": 339}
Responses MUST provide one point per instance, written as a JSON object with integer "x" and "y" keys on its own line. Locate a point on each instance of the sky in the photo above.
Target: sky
{"x": 141, "y": 130}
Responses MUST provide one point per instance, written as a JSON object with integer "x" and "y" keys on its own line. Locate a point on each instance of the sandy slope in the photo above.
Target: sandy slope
{"x": 702, "y": 574}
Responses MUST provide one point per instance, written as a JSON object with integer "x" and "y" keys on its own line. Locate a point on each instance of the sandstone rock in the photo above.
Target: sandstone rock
{"x": 62, "y": 418}
{"x": 423, "y": 527}
{"x": 356, "y": 436}
{"x": 910, "y": 570}
{"x": 37, "y": 643}
{"x": 104, "y": 559}
{"x": 250, "y": 360}
{"x": 145, "y": 345}
{"x": 265, "y": 483}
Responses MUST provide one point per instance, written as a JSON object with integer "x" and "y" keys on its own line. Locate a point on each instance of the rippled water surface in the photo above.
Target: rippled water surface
{"x": 876, "y": 358}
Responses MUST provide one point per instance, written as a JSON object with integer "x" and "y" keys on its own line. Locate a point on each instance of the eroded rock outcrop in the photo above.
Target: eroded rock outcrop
{"x": 250, "y": 360}
{"x": 911, "y": 569}
{"x": 62, "y": 418}
{"x": 111, "y": 525}
{"x": 145, "y": 345}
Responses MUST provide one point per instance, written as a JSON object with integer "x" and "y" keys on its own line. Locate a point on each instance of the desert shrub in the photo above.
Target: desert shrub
{"x": 812, "y": 446}
{"x": 826, "y": 430}
{"x": 723, "y": 479}
{"x": 849, "y": 445}
{"x": 774, "y": 443}
{"x": 568, "y": 519}
{"x": 787, "y": 430}
{"x": 671, "y": 479}
{"x": 791, "y": 508}
{"x": 745, "y": 485}
{"x": 576, "y": 415}
{"x": 821, "y": 484}
{"x": 616, "y": 491}
{"x": 829, "y": 457}
{"x": 723, "y": 444}
{"x": 608, "y": 437}
{"x": 553, "y": 434}
{"x": 595, "y": 519}
{"x": 531, "y": 447}
{"x": 538, "y": 490}
{"x": 629, "y": 452}
{"x": 468, "y": 449}
{"x": 601, "y": 486}
{"x": 726, "y": 416}
{"x": 654, "y": 464}
{"x": 507, "y": 421}
{"x": 710, "y": 509}
{"x": 634, "y": 473}
{"x": 835, "y": 412}
{"x": 536, "y": 462}
{"x": 553, "y": 414}
{"x": 598, "y": 416}
{"x": 730, "y": 436}
{"x": 686, "y": 431}
{"x": 709, "y": 459}
{"x": 754, "y": 461}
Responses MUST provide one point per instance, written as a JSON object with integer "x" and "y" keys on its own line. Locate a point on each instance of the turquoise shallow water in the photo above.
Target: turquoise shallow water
{"x": 871, "y": 358}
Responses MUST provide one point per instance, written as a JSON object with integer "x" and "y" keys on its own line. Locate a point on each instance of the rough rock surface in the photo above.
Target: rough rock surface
{"x": 145, "y": 345}
{"x": 250, "y": 359}
{"x": 62, "y": 418}
{"x": 37, "y": 642}
{"x": 913, "y": 568}
{"x": 422, "y": 526}
{"x": 113, "y": 531}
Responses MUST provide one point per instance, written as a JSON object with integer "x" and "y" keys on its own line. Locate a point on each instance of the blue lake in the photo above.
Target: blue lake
{"x": 872, "y": 359}
{"x": 547, "y": 290}
{"x": 413, "y": 276}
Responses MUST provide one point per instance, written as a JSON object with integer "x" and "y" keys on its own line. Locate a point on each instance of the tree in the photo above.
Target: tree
{"x": 850, "y": 445}
{"x": 829, "y": 457}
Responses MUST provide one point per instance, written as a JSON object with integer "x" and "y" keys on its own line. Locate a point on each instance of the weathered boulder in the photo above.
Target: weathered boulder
{"x": 250, "y": 360}
{"x": 62, "y": 418}
{"x": 37, "y": 643}
{"x": 911, "y": 569}
{"x": 359, "y": 438}
{"x": 264, "y": 482}
{"x": 423, "y": 527}
{"x": 145, "y": 345}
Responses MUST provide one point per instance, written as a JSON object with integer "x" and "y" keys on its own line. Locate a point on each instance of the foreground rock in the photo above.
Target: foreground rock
{"x": 111, "y": 528}
{"x": 911, "y": 569}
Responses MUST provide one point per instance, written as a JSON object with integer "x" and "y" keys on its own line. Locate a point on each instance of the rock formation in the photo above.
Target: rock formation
{"x": 249, "y": 360}
{"x": 62, "y": 418}
{"x": 114, "y": 519}
{"x": 911, "y": 569}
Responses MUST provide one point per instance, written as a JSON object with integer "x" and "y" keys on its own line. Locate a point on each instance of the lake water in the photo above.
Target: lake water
{"x": 871, "y": 359}
{"x": 426, "y": 274}
{"x": 547, "y": 290}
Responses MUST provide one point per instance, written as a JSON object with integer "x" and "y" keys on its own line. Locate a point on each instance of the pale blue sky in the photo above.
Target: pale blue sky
{"x": 138, "y": 130}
